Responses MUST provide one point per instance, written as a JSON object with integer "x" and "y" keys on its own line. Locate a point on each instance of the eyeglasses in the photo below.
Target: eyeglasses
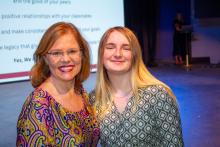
{"x": 73, "y": 53}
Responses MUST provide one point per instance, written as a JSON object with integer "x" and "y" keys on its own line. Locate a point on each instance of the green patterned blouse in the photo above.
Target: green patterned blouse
{"x": 155, "y": 122}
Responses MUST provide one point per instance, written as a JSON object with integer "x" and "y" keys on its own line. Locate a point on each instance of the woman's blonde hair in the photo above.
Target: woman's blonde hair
{"x": 40, "y": 70}
{"x": 140, "y": 76}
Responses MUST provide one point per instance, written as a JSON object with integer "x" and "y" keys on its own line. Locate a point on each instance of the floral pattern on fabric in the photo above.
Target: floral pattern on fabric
{"x": 44, "y": 122}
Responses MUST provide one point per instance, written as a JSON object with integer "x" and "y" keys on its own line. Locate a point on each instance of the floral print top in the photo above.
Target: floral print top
{"x": 44, "y": 122}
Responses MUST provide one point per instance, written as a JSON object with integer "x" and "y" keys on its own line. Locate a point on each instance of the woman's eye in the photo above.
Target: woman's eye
{"x": 56, "y": 53}
{"x": 127, "y": 48}
{"x": 72, "y": 51}
{"x": 109, "y": 47}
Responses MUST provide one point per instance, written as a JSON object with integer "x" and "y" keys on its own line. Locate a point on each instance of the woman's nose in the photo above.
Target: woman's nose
{"x": 65, "y": 57}
{"x": 118, "y": 52}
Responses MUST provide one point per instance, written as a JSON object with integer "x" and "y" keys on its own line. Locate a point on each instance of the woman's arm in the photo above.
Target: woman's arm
{"x": 34, "y": 126}
{"x": 170, "y": 122}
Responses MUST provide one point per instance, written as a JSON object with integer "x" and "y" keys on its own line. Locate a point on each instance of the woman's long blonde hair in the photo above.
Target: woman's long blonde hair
{"x": 140, "y": 76}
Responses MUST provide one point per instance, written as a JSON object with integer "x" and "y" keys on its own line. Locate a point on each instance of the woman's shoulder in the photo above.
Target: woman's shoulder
{"x": 156, "y": 93}
{"x": 41, "y": 96}
{"x": 36, "y": 99}
{"x": 153, "y": 89}
{"x": 35, "y": 104}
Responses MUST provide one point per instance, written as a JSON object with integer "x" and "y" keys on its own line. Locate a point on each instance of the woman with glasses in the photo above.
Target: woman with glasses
{"x": 57, "y": 112}
{"x": 134, "y": 108}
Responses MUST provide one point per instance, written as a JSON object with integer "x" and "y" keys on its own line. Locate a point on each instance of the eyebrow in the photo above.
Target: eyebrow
{"x": 110, "y": 43}
{"x": 125, "y": 44}
{"x": 57, "y": 49}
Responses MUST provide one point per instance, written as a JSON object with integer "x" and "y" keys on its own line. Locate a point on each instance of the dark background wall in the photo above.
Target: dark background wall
{"x": 152, "y": 21}
{"x": 207, "y": 9}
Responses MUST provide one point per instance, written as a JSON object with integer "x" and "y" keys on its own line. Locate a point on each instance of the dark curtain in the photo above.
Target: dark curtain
{"x": 142, "y": 17}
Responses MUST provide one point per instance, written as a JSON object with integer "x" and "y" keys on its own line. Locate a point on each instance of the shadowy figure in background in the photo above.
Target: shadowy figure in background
{"x": 133, "y": 107}
{"x": 56, "y": 112}
{"x": 178, "y": 39}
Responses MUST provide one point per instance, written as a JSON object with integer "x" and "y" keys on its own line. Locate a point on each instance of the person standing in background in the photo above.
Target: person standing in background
{"x": 132, "y": 106}
{"x": 178, "y": 39}
{"x": 57, "y": 113}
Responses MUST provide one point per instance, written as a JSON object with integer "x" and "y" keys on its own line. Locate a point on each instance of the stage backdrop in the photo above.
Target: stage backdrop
{"x": 23, "y": 22}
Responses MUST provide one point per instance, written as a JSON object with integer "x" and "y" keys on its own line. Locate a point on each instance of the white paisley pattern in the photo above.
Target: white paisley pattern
{"x": 155, "y": 122}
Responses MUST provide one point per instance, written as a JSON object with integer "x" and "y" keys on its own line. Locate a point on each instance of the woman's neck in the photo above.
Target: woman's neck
{"x": 61, "y": 87}
{"x": 63, "y": 92}
{"x": 122, "y": 90}
{"x": 121, "y": 83}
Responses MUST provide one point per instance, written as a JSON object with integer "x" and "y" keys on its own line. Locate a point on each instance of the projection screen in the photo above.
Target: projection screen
{"x": 23, "y": 22}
